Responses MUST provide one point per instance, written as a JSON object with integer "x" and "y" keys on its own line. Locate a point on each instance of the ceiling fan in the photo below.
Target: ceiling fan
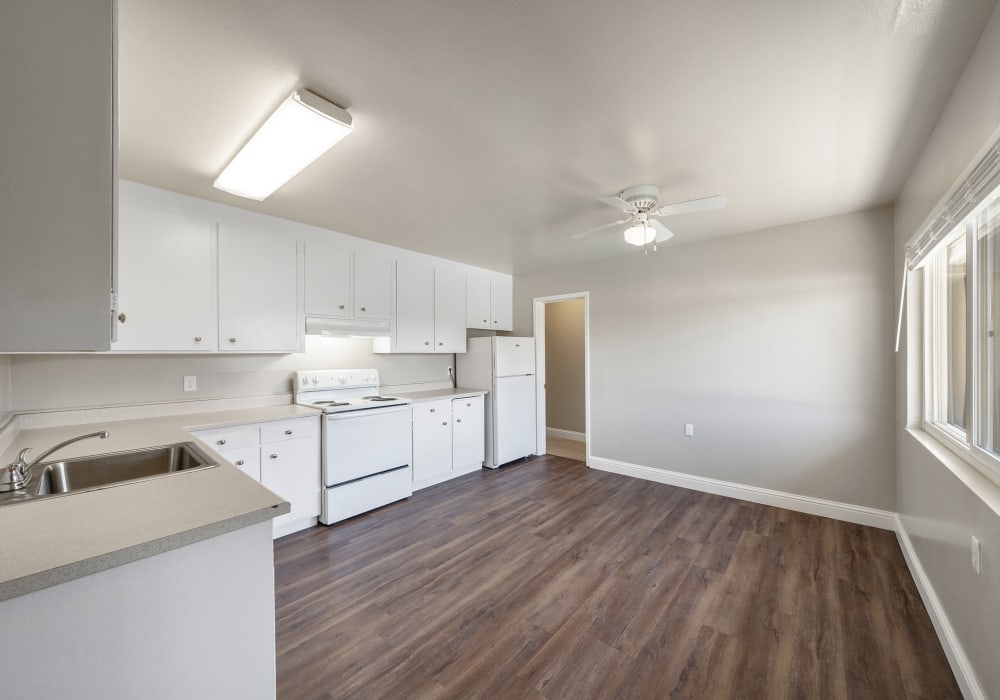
{"x": 640, "y": 204}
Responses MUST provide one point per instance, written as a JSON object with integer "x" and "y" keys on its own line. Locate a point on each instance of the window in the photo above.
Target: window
{"x": 962, "y": 358}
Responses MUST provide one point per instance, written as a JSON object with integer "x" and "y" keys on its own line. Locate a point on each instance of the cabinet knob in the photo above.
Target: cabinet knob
{"x": 121, "y": 318}
{"x": 197, "y": 339}
{"x": 496, "y": 322}
{"x": 458, "y": 420}
{"x": 485, "y": 321}
{"x": 274, "y": 456}
{"x": 427, "y": 342}
{"x": 288, "y": 432}
{"x": 232, "y": 340}
{"x": 468, "y": 404}
{"x": 239, "y": 463}
{"x": 440, "y": 343}
{"x": 433, "y": 409}
{"x": 220, "y": 442}
{"x": 444, "y": 423}
{"x": 364, "y": 308}
{"x": 341, "y": 307}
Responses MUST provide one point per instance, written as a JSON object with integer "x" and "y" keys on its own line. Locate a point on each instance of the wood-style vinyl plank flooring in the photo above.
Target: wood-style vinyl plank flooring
{"x": 545, "y": 579}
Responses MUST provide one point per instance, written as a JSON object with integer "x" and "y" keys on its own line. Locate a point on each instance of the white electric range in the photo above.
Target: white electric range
{"x": 367, "y": 440}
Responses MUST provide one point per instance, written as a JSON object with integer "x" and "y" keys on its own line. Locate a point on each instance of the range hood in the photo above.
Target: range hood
{"x": 346, "y": 327}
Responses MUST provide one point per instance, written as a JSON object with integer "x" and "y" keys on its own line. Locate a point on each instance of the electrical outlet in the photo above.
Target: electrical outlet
{"x": 191, "y": 383}
{"x": 689, "y": 429}
{"x": 977, "y": 556}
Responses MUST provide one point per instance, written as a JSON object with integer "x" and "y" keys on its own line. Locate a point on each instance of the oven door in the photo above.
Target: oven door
{"x": 361, "y": 443}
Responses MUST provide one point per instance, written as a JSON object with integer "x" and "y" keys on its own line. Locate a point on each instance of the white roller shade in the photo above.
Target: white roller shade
{"x": 966, "y": 196}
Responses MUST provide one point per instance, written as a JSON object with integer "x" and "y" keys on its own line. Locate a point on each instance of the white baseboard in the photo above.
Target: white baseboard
{"x": 566, "y": 434}
{"x": 861, "y": 515}
{"x": 447, "y": 476}
{"x": 960, "y": 665}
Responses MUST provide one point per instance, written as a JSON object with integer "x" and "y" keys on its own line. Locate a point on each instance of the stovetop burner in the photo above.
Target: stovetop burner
{"x": 332, "y": 403}
{"x": 380, "y": 398}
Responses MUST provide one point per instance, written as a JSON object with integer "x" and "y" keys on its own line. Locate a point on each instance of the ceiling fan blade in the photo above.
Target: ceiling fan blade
{"x": 690, "y": 206}
{"x": 618, "y": 203}
{"x": 662, "y": 232}
{"x": 599, "y": 228}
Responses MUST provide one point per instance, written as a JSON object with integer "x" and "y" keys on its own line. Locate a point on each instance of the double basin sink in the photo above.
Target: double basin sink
{"x": 99, "y": 471}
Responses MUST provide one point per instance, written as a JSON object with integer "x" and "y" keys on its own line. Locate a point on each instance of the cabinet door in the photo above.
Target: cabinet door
{"x": 57, "y": 202}
{"x": 477, "y": 300}
{"x": 502, "y": 303}
{"x": 167, "y": 288}
{"x": 449, "y": 310}
{"x": 468, "y": 432}
{"x": 414, "y": 307}
{"x": 258, "y": 276}
{"x": 372, "y": 284}
{"x": 246, "y": 459}
{"x": 431, "y": 440}
{"x": 328, "y": 280}
{"x": 292, "y": 470}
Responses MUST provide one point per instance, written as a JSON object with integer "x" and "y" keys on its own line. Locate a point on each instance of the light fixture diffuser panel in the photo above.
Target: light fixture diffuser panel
{"x": 304, "y": 127}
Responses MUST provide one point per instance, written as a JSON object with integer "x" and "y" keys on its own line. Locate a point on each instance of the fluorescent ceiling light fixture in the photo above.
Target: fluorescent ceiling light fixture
{"x": 640, "y": 234}
{"x": 302, "y": 129}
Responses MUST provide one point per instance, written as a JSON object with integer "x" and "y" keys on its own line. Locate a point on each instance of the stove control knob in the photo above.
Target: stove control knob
{"x": 342, "y": 379}
{"x": 315, "y": 380}
{"x": 305, "y": 380}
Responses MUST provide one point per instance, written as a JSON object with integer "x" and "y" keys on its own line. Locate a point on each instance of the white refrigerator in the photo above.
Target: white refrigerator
{"x": 505, "y": 367}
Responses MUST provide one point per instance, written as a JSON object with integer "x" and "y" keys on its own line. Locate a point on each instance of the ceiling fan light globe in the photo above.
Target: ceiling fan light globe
{"x": 640, "y": 235}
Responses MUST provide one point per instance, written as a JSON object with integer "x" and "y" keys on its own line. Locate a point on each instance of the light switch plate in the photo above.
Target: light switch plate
{"x": 977, "y": 556}
{"x": 689, "y": 429}
{"x": 191, "y": 383}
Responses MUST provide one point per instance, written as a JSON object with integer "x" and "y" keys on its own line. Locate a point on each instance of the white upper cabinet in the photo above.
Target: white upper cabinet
{"x": 258, "y": 291}
{"x": 328, "y": 280}
{"x": 489, "y": 302}
{"x": 167, "y": 292}
{"x": 501, "y": 302}
{"x": 430, "y": 309}
{"x": 372, "y": 284}
{"x": 414, "y": 307}
{"x": 449, "y": 310}
{"x": 57, "y": 203}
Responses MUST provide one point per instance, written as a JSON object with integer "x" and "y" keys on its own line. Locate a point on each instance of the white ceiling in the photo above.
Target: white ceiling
{"x": 485, "y": 129}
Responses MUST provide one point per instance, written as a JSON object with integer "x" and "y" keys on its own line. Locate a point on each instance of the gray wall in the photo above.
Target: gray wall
{"x": 776, "y": 344}
{"x": 564, "y": 366}
{"x": 937, "y": 507}
{"x": 77, "y": 381}
{"x": 4, "y": 386}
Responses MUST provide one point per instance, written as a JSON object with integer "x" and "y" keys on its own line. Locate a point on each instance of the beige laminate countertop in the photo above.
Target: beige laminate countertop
{"x": 436, "y": 394}
{"x": 52, "y": 540}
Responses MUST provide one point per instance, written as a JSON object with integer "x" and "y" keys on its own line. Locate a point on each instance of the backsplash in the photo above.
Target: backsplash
{"x": 54, "y": 382}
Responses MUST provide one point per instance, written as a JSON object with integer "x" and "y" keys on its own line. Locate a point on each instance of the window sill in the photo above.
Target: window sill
{"x": 983, "y": 485}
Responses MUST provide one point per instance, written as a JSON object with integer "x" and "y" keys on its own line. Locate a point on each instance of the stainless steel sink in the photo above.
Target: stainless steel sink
{"x": 99, "y": 471}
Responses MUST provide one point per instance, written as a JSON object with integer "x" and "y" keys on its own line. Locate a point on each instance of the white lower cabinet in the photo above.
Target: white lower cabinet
{"x": 284, "y": 456}
{"x": 448, "y": 439}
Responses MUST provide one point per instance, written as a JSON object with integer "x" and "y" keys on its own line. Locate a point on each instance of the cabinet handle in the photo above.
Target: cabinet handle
{"x": 121, "y": 318}
{"x": 197, "y": 339}
{"x": 274, "y": 456}
{"x": 288, "y": 432}
{"x": 341, "y": 307}
{"x": 232, "y": 340}
{"x": 220, "y": 442}
{"x": 239, "y": 463}
{"x": 363, "y": 308}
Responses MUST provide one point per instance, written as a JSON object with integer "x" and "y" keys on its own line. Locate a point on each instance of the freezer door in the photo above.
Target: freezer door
{"x": 514, "y": 356}
{"x": 514, "y": 407}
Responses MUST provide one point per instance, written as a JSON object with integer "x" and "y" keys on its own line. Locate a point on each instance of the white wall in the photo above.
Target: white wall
{"x": 776, "y": 344}
{"x": 46, "y": 382}
{"x": 939, "y": 506}
{"x": 564, "y": 366}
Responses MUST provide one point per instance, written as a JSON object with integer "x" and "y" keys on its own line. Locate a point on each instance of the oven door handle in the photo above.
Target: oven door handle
{"x": 362, "y": 412}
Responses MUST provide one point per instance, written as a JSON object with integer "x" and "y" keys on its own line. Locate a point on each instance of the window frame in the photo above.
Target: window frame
{"x": 935, "y": 339}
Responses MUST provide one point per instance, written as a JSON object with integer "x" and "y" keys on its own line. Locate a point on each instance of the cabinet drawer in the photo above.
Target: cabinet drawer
{"x": 229, "y": 438}
{"x": 246, "y": 459}
{"x": 427, "y": 410}
{"x": 275, "y": 431}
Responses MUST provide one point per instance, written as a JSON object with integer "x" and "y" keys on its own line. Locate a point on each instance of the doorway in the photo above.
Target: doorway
{"x": 562, "y": 349}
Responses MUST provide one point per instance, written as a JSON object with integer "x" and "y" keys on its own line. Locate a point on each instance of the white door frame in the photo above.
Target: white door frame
{"x": 538, "y": 309}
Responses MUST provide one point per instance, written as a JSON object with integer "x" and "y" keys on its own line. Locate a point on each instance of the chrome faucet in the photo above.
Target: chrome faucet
{"x": 17, "y": 474}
